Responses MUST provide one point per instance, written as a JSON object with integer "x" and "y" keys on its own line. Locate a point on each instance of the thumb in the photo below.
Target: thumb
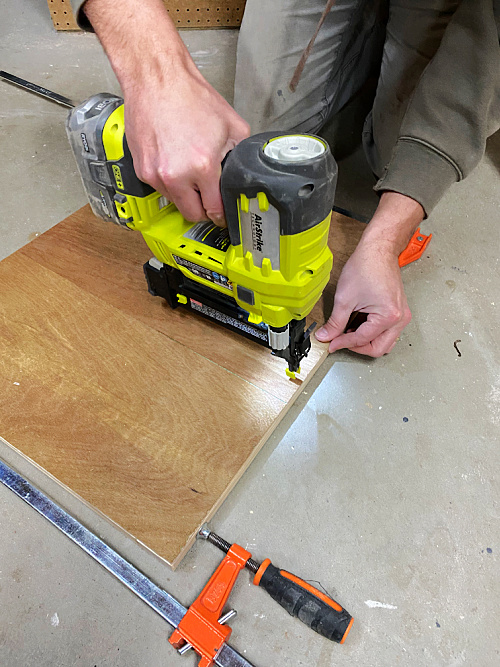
{"x": 336, "y": 324}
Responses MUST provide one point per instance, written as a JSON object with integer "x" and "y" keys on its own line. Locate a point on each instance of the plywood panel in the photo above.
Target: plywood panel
{"x": 107, "y": 260}
{"x": 150, "y": 415}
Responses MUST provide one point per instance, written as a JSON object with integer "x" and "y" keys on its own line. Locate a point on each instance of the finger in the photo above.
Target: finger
{"x": 211, "y": 198}
{"x": 208, "y": 182}
{"x": 367, "y": 332}
{"x": 392, "y": 346}
{"x": 240, "y": 130}
{"x": 381, "y": 345}
{"x": 188, "y": 201}
{"x": 179, "y": 191}
{"x": 384, "y": 343}
{"x": 336, "y": 323}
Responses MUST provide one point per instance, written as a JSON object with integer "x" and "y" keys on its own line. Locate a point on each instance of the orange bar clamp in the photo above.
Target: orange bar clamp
{"x": 200, "y": 626}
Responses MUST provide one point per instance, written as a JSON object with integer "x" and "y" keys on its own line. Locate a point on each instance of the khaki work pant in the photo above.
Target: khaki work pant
{"x": 394, "y": 39}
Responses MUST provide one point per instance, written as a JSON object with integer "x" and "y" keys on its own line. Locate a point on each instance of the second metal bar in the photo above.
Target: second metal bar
{"x": 38, "y": 90}
{"x": 159, "y": 600}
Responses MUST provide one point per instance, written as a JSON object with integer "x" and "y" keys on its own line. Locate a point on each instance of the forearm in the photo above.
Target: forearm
{"x": 393, "y": 223}
{"x": 140, "y": 40}
{"x": 455, "y": 107}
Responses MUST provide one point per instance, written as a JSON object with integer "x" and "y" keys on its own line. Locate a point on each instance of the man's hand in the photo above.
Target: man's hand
{"x": 178, "y": 132}
{"x": 178, "y": 127}
{"x": 371, "y": 283}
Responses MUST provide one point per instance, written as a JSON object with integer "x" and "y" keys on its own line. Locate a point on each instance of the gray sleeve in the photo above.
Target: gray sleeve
{"x": 81, "y": 18}
{"x": 455, "y": 107}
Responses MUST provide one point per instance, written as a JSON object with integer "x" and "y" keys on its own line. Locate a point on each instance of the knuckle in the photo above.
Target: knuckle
{"x": 395, "y": 314}
{"x": 374, "y": 350}
{"x": 191, "y": 214}
{"x": 362, "y": 341}
{"x": 340, "y": 300}
{"x": 245, "y": 128}
{"x": 203, "y": 165}
{"x": 333, "y": 322}
{"x": 167, "y": 175}
{"x": 145, "y": 172}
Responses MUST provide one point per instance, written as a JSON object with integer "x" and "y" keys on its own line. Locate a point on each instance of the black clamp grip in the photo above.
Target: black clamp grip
{"x": 316, "y": 609}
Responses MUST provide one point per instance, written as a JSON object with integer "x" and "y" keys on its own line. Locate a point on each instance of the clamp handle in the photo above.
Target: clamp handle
{"x": 315, "y": 609}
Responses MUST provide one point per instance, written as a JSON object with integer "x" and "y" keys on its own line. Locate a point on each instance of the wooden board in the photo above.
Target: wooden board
{"x": 150, "y": 415}
{"x": 184, "y": 13}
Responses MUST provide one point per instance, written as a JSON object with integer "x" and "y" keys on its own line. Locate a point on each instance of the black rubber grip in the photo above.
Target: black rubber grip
{"x": 321, "y": 617}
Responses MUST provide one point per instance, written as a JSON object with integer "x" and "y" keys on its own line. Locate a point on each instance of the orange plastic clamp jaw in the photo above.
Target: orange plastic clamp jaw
{"x": 415, "y": 248}
{"x": 200, "y": 625}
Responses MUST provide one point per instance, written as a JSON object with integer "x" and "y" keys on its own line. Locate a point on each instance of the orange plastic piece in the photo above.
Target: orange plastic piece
{"x": 347, "y": 631}
{"x": 263, "y": 567}
{"x": 415, "y": 248}
{"x": 200, "y": 625}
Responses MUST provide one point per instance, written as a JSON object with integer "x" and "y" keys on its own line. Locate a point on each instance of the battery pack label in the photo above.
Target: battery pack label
{"x": 206, "y": 274}
{"x": 227, "y": 319}
{"x": 209, "y": 234}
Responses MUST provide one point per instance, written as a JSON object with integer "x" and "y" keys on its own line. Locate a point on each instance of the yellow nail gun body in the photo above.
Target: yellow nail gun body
{"x": 263, "y": 274}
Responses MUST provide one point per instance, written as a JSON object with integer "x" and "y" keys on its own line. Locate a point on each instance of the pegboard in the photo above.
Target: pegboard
{"x": 207, "y": 14}
{"x": 184, "y": 13}
{"x": 62, "y": 15}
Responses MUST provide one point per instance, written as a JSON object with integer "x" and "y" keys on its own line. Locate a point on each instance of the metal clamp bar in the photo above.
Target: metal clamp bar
{"x": 160, "y": 601}
{"x": 38, "y": 90}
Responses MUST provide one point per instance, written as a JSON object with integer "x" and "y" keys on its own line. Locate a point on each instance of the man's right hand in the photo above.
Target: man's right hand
{"x": 178, "y": 133}
{"x": 178, "y": 127}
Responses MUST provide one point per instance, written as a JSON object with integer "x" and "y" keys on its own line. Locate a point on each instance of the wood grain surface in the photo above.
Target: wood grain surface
{"x": 149, "y": 415}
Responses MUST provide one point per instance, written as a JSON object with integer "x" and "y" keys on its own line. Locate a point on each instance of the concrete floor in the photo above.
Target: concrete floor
{"x": 346, "y": 492}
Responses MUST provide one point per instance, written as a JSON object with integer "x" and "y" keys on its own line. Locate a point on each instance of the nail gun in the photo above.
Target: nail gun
{"x": 262, "y": 275}
{"x": 259, "y": 277}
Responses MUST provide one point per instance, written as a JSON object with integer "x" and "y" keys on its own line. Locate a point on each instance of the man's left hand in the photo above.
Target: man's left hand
{"x": 369, "y": 283}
